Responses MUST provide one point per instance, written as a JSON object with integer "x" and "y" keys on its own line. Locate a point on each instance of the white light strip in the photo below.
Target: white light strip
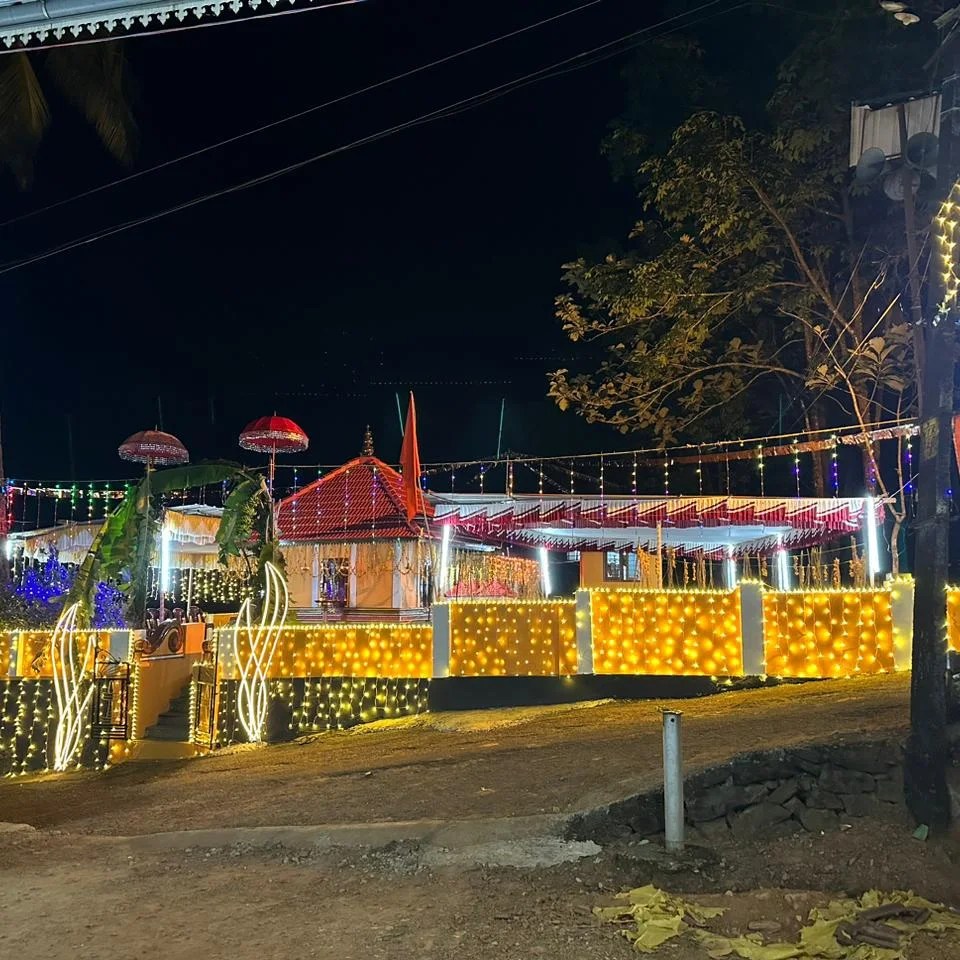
{"x": 68, "y": 684}
{"x": 545, "y": 570}
{"x": 731, "y": 566}
{"x": 873, "y": 547}
{"x": 444, "y": 560}
{"x": 783, "y": 569}
{"x": 164, "y": 559}
{"x": 253, "y": 693}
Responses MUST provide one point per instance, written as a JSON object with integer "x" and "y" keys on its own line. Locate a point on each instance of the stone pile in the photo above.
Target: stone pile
{"x": 768, "y": 794}
{"x": 812, "y": 789}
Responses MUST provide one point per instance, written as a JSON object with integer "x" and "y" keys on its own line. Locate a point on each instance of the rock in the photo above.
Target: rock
{"x": 754, "y": 822}
{"x": 723, "y": 799}
{"x": 819, "y": 821}
{"x": 807, "y": 767}
{"x": 760, "y": 767}
{"x": 820, "y": 799}
{"x": 714, "y": 831}
{"x": 810, "y": 754}
{"x": 784, "y": 792}
{"x": 806, "y": 783}
{"x": 889, "y": 791}
{"x": 16, "y": 828}
{"x": 841, "y": 780}
{"x": 860, "y": 804}
{"x": 707, "y": 778}
{"x": 867, "y": 758}
{"x": 794, "y": 805}
{"x": 788, "y": 828}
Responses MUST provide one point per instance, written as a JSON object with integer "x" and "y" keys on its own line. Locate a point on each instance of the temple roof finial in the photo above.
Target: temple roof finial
{"x": 368, "y": 442}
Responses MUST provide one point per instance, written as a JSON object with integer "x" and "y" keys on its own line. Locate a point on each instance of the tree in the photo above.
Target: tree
{"x": 93, "y": 77}
{"x": 756, "y": 268}
{"x": 124, "y": 548}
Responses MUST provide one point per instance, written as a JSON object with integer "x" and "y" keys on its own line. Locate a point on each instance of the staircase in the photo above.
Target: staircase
{"x": 174, "y": 722}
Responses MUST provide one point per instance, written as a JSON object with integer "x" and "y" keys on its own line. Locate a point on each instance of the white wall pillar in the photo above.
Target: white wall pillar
{"x": 901, "y": 613}
{"x": 440, "y": 620}
{"x": 396, "y": 589}
{"x": 315, "y": 577}
{"x": 584, "y": 633}
{"x": 118, "y": 646}
{"x": 751, "y": 629}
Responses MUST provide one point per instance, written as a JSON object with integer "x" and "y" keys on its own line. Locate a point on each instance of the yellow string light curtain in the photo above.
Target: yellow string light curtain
{"x": 33, "y": 651}
{"x": 828, "y": 633}
{"x": 953, "y": 618}
{"x": 666, "y": 632}
{"x": 492, "y": 638}
{"x": 7, "y": 652}
{"x": 350, "y": 650}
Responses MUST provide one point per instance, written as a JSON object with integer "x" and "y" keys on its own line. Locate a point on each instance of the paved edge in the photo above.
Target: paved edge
{"x": 450, "y": 834}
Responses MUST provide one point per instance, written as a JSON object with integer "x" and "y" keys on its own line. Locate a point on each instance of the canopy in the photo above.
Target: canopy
{"x": 695, "y": 526}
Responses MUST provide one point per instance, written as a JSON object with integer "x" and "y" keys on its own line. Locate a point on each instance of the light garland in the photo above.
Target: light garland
{"x": 492, "y": 638}
{"x": 946, "y": 241}
{"x": 672, "y": 632}
{"x": 385, "y": 650}
{"x": 828, "y": 633}
{"x": 261, "y": 644}
{"x": 73, "y": 691}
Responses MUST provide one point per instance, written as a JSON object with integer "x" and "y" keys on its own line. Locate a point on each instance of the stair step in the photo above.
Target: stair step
{"x": 166, "y": 733}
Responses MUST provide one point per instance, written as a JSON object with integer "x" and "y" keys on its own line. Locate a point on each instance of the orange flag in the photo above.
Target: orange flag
{"x": 410, "y": 461}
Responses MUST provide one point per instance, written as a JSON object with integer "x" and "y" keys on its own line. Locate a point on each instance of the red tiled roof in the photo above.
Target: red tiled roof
{"x": 362, "y": 500}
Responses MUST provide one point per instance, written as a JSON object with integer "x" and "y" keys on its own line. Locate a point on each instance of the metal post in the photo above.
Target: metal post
{"x": 672, "y": 780}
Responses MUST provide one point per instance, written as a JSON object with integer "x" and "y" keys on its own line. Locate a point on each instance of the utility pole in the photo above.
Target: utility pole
{"x": 927, "y": 757}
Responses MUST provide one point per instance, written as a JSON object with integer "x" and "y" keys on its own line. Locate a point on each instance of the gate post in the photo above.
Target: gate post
{"x": 751, "y": 628}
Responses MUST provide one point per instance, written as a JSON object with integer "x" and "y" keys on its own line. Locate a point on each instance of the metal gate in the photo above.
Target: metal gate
{"x": 111, "y": 700}
{"x": 203, "y": 723}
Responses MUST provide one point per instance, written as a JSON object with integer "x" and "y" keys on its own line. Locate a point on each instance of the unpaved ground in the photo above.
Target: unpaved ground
{"x": 67, "y": 897}
{"x": 453, "y": 766}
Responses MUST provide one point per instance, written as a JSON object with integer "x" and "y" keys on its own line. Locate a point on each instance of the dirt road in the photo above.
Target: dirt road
{"x": 452, "y": 765}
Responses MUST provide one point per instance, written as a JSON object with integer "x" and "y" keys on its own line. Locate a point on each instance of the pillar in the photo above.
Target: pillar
{"x": 440, "y": 621}
{"x": 584, "y": 633}
{"x": 751, "y": 628}
{"x": 901, "y": 613}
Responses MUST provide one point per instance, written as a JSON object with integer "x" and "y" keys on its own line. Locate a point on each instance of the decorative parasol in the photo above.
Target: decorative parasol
{"x": 154, "y": 448}
{"x": 273, "y": 435}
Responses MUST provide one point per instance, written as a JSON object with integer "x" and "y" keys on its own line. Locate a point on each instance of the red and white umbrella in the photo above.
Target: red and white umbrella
{"x": 273, "y": 435}
{"x": 154, "y": 448}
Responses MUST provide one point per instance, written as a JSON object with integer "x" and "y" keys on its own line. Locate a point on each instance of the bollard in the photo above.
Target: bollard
{"x": 672, "y": 780}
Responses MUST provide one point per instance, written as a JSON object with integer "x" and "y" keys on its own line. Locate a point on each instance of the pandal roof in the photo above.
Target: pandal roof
{"x": 714, "y": 527}
{"x": 360, "y": 501}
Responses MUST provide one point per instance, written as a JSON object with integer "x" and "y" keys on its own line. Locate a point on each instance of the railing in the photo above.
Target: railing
{"x": 203, "y": 713}
{"x": 111, "y": 700}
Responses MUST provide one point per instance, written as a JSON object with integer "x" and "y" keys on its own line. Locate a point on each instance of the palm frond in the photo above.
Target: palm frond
{"x": 204, "y": 474}
{"x": 95, "y": 79}
{"x": 24, "y": 116}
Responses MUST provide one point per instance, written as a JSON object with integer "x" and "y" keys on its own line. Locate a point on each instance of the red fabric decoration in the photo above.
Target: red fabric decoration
{"x": 410, "y": 461}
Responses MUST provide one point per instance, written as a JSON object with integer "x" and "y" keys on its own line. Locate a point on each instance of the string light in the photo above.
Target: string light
{"x": 828, "y": 633}
{"x": 259, "y": 647}
{"x": 835, "y": 468}
{"x": 666, "y": 632}
{"x": 532, "y": 638}
{"x": 760, "y": 467}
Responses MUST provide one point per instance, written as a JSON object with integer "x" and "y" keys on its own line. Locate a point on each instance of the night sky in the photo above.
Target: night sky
{"x": 428, "y": 260}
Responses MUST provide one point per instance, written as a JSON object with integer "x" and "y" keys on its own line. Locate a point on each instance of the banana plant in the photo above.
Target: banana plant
{"x": 123, "y": 548}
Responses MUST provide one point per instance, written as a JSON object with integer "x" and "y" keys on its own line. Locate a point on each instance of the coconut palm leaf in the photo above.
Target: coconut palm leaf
{"x": 24, "y": 116}
{"x": 94, "y": 78}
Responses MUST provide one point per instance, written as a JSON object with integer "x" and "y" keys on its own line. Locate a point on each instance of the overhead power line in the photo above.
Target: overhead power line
{"x": 577, "y": 61}
{"x": 299, "y": 114}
